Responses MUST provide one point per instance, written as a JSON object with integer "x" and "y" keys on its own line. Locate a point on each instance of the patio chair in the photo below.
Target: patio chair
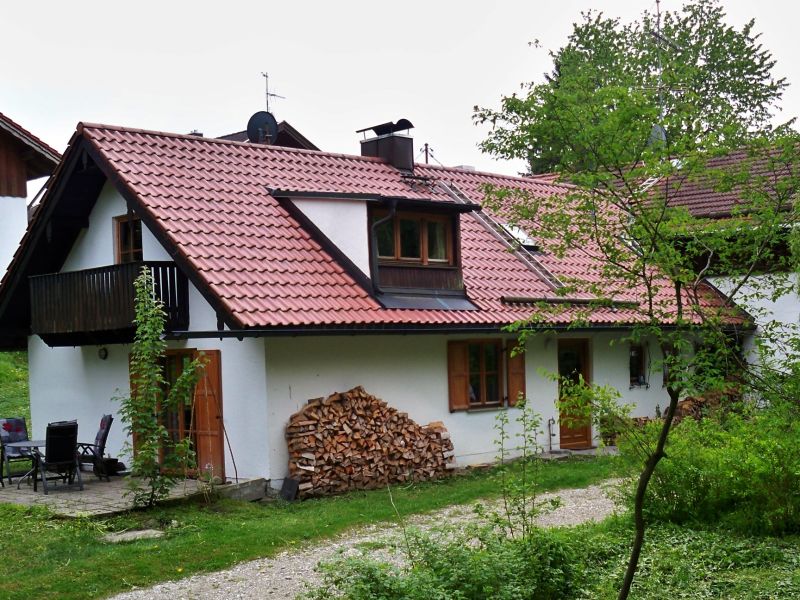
{"x": 93, "y": 453}
{"x": 12, "y": 430}
{"x": 60, "y": 454}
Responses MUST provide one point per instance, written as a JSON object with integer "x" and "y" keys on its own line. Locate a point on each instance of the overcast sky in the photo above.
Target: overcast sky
{"x": 342, "y": 66}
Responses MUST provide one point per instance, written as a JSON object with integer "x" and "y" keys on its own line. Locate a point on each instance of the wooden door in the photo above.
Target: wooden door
{"x": 573, "y": 360}
{"x": 201, "y": 421}
{"x": 208, "y": 434}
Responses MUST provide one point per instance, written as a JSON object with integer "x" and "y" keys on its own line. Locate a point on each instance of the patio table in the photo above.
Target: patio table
{"x": 26, "y": 445}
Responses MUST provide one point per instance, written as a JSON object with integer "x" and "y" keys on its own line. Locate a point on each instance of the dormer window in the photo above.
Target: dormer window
{"x": 415, "y": 239}
{"x": 415, "y": 260}
{"x": 128, "y": 239}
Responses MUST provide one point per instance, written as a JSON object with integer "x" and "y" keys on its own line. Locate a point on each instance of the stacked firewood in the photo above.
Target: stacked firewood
{"x": 353, "y": 440}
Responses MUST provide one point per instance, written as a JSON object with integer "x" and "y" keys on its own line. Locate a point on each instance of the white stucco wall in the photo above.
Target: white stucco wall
{"x": 73, "y": 383}
{"x": 13, "y": 223}
{"x": 410, "y": 373}
{"x": 344, "y": 222}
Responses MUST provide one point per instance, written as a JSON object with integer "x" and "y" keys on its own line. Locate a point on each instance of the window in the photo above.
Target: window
{"x": 667, "y": 358}
{"x": 637, "y": 368}
{"x": 484, "y": 374}
{"x": 128, "y": 237}
{"x": 414, "y": 238}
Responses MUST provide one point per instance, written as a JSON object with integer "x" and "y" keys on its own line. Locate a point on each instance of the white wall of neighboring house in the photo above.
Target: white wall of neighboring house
{"x": 344, "y": 222}
{"x": 755, "y": 298}
{"x": 12, "y": 228}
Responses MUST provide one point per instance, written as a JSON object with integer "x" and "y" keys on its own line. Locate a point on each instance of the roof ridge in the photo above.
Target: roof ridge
{"x": 82, "y": 126}
{"x": 527, "y": 180}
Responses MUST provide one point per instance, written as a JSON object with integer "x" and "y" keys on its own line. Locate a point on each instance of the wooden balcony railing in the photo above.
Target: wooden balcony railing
{"x": 97, "y": 305}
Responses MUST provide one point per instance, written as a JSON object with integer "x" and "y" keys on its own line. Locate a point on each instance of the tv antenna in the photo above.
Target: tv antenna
{"x": 658, "y": 134}
{"x": 267, "y": 93}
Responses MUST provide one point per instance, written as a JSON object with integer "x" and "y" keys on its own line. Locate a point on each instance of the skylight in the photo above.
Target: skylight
{"x": 521, "y": 236}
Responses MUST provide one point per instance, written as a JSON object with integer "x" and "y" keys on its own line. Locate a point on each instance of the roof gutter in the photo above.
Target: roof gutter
{"x": 399, "y": 329}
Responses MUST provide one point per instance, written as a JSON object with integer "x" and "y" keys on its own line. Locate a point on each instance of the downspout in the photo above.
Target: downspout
{"x": 373, "y": 243}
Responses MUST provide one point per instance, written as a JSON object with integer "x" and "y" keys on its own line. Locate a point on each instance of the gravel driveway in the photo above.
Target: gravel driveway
{"x": 285, "y": 575}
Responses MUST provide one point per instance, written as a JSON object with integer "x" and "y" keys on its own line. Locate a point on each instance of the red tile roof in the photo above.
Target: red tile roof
{"x": 211, "y": 199}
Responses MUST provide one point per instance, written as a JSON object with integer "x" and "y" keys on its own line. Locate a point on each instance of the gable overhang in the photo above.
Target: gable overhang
{"x": 44, "y": 246}
{"x": 61, "y": 215}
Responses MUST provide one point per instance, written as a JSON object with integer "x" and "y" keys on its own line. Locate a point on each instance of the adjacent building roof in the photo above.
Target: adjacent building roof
{"x": 288, "y": 137}
{"x": 212, "y": 204}
{"x": 703, "y": 197}
{"x": 43, "y": 158}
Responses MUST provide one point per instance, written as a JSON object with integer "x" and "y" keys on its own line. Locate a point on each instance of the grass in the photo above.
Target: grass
{"x": 66, "y": 558}
{"x": 687, "y": 562}
{"x": 14, "y": 385}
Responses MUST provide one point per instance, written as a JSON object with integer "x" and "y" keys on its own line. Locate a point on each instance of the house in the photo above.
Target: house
{"x": 767, "y": 175}
{"x": 300, "y": 273}
{"x": 23, "y": 157}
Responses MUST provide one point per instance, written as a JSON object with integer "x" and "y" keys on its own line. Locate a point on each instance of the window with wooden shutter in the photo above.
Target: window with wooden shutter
{"x": 476, "y": 370}
{"x": 515, "y": 374}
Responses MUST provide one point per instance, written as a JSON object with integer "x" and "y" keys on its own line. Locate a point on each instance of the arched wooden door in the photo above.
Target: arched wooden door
{"x": 573, "y": 360}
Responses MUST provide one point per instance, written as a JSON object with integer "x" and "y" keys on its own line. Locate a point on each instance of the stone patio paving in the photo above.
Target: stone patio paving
{"x": 98, "y": 498}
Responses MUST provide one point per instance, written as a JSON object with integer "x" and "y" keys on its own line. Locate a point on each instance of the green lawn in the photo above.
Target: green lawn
{"x": 45, "y": 557}
{"x": 687, "y": 562}
{"x": 14, "y": 385}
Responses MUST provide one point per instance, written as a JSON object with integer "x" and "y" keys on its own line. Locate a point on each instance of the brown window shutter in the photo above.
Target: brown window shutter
{"x": 458, "y": 375}
{"x": 515, "y": 374}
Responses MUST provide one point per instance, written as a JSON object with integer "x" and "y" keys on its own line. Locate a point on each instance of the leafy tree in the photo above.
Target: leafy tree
{"x": 710, "y": 78}
{"x": 593, "y": 120}
{"x": 159, "y": 461}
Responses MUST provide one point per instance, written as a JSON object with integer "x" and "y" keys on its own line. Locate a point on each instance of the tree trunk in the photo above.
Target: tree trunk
{"x": 644, "y": 480}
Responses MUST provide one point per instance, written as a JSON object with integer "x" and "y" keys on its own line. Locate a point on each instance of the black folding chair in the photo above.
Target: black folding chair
{"x": 12, "y": 430}
{"x": 93, "y": 453}
{"x": 60, "y": 454}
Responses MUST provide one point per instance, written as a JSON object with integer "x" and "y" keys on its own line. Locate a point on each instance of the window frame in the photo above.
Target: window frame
{"x": 424, "y": 219}
{"x": 128, "y": 255}
{"x": 482, "y": 374}
{"x": 510, "y": 374}
{"x": 642, "y": 379}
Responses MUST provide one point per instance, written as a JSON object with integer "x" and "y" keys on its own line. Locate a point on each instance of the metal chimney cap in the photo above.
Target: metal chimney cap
{"x": 390, "y": 127}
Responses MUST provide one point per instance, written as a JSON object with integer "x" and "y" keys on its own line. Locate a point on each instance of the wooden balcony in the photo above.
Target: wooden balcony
{"x": 96, "y": 306}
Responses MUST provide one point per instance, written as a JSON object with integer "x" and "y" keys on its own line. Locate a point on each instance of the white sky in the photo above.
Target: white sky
{"x": 343, "y": 65}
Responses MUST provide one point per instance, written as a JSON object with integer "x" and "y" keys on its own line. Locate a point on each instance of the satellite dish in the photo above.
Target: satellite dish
{"x": 262, "y": 128}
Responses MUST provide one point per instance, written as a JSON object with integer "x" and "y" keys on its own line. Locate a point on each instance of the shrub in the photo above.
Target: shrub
{"x": 739, "y": 468}
{"x": 464, "y": 566}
